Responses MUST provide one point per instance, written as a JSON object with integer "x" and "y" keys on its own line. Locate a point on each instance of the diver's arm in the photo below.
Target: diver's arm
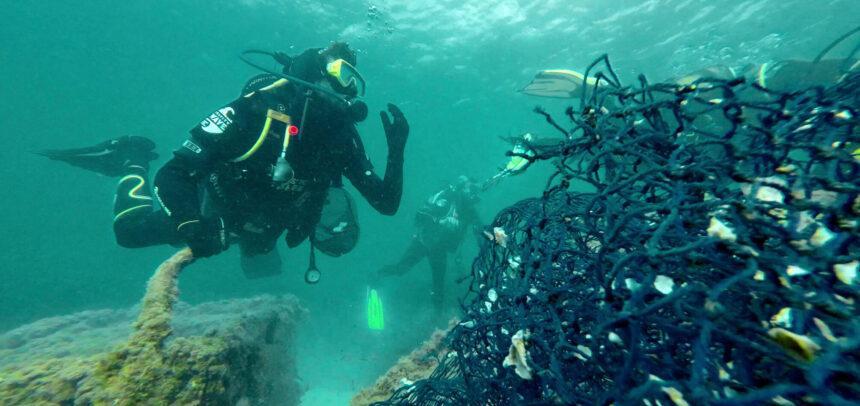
{"x": 383, "y": 194}
{"x": 178, "y": 182}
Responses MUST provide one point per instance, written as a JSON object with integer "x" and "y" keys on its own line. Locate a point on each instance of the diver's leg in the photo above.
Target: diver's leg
{"x": 414, "y": 254}
{"x": 438, "y": 259}
{"x": 135, "y": 223}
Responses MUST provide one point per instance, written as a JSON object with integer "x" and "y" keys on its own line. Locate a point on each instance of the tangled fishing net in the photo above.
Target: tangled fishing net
{"x": 697, "y": 244}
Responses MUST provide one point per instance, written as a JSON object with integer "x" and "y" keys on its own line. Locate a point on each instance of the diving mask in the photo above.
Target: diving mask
{"x": 346, "y": 75}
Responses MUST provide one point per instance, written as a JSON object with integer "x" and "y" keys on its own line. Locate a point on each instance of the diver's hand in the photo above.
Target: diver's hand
{"x": 205, "y": 237}
{"x": 396, "y": 129}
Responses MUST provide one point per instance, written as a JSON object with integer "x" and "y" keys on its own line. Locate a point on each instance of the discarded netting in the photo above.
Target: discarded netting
{"x": 710, "y": 256}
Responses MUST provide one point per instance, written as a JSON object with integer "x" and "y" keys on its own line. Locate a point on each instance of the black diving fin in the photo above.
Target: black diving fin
{"x": 109, "y": 158}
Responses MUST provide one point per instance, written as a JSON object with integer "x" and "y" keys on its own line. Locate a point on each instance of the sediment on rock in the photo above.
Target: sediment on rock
{"x": 216, "y": 353}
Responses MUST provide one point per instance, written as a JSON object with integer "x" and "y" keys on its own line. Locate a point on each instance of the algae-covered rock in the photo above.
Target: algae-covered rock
{"x": 418, "y": 364}
{"x": 216, "y": 353}
{"x": 219, "y": 353}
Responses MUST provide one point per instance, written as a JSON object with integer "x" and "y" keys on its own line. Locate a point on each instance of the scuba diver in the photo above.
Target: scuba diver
{"x": 267, "y": 163}
{"x": 442, "y": 223}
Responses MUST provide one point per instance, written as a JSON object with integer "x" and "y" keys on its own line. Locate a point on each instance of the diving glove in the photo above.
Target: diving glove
{"x": 205, "y": 237}
{"x": 396, "y": 129}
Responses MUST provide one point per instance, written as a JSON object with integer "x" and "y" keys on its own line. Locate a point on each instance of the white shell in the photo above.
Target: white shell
{"x": 720, "y": 230}
{"x": 846, "y": 273}
{"x": 517, "y": 356}
{"x": 585, "y": 350}
{"x": 664, "y": 284}
{"x": 500, "y": 236}
{"x": 492, "y": 295}
{"x": 631, "y": 284}
{"x": 769, "y": 194}
{"x": 794, "y": 270}
{"x": 843, "y": 115}
{"x": 783, "y": 318}
{"x": 821, "y": 237}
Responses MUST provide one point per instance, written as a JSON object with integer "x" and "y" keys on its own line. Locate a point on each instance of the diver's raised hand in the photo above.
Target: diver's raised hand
{"x": 396, "y": 129}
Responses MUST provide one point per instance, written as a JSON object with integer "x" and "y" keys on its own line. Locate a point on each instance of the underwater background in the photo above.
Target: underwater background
{"x": 73, "y": 74}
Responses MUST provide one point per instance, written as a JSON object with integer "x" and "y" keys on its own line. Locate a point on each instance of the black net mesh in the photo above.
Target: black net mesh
{"x": 710, "y": 260}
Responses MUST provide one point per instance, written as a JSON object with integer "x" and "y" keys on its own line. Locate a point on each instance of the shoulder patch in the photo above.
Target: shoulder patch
{"x": 218, "y": 121}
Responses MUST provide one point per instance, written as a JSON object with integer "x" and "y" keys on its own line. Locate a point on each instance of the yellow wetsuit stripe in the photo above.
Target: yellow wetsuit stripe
{"x": 133, "y": 192}
{"x": 126, "y": 211}
{"x": 186, "y": 223}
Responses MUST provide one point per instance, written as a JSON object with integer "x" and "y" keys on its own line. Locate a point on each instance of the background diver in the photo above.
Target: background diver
{"x": 269, "y": 162}
{"x": 441, "y": 225}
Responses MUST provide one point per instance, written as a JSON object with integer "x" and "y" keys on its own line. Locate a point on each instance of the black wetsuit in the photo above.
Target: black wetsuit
{"x": 218, "y": 172}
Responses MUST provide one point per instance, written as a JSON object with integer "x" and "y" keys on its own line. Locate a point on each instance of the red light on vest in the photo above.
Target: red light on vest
{"x": 293, "y": 130}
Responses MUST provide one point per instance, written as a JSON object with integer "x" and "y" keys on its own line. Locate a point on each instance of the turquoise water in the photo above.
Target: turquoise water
{"x": 76, "y": 74}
